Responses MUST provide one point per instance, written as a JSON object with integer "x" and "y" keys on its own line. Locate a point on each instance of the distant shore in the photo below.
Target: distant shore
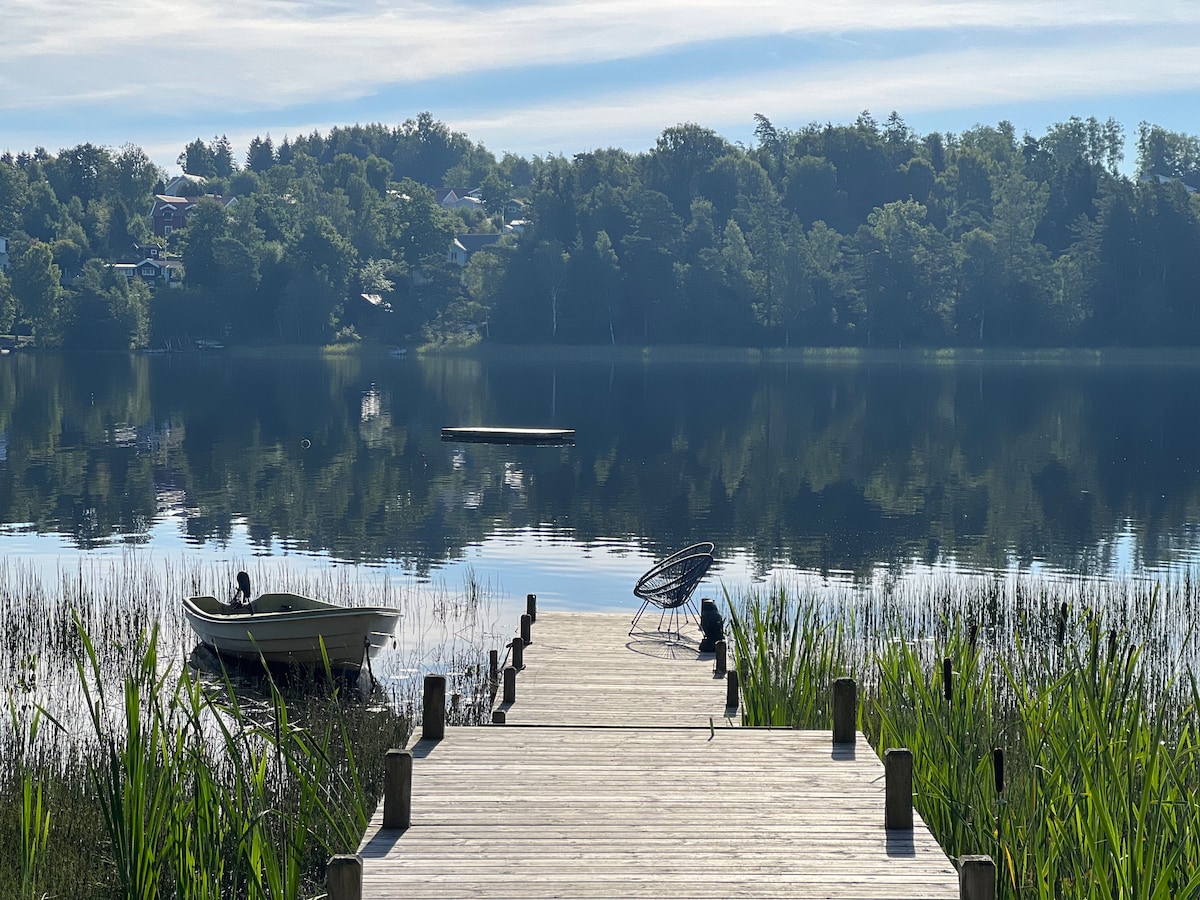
{"x": 851, "y": 355}
{"x": 687, "y": 353}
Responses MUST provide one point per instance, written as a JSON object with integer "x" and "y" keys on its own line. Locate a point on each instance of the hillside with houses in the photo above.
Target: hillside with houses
{"x": 864, "y": 234}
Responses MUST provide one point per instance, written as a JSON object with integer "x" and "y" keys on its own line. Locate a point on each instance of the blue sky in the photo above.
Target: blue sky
{"x": 567, "y": 76}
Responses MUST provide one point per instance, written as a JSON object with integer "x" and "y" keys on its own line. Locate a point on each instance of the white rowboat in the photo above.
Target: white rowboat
{"x": 290, "y": 628}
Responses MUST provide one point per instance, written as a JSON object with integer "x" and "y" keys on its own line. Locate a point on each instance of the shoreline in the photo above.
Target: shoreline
{"x": 828, "y": 355}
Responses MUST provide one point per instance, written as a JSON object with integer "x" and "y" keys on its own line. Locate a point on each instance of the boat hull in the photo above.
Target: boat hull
{"x": 292, "y": 629}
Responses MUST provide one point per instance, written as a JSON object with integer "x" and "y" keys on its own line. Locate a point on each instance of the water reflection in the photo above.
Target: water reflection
{"x": 842, "y": 470}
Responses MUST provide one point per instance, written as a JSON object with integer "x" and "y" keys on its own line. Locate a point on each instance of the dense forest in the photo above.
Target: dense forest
{"x": 864, "y": 235}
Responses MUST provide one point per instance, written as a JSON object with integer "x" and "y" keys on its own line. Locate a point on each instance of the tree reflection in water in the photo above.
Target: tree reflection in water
{"x": 838, "y": 468}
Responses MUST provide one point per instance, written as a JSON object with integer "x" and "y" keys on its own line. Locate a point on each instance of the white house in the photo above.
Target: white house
{"x": 153, "y": 270}
{"x": 467, "y": 245}
{"x": 458, "y": 198}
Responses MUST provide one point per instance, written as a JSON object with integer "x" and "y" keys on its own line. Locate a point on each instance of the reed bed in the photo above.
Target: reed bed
{"x": 1053, "y": 725}
{"x": 132, "y": 767}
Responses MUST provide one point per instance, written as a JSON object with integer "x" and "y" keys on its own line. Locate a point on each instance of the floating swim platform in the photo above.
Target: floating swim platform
{"x": 510, "y": 435}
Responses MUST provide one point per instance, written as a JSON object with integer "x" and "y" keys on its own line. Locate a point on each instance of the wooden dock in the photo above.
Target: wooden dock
{"x": 585, "y": 669}
{"x": 618, "y": 774}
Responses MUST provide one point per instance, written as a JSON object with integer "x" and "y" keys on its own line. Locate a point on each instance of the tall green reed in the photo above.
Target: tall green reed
{"x": 34, "y": 818}
{"x": 777, "y": 635}
{"x": 204, "y": 795}
{"x": 1088, "y": 691}
{"x": 944, "y": 715}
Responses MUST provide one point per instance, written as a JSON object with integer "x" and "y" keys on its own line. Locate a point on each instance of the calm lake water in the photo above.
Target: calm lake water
{"x": 843, "y": 473}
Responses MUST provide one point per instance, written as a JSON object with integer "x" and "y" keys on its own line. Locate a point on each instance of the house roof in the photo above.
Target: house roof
{"x": 183, "y": 179}
{"x": 457, "y": 198}
{"x": 171, "y": 265}
{"x": 473, "y": 243}
{"x": 378, "y": 301}
{"x": 1167, "y": 179}
{"x": 162, "y": 201}
{"x": 459, "y": 192}
{"x": 138, "y": 252}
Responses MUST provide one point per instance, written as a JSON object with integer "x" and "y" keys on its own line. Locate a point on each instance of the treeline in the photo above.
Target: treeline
{"x": 866, "y": 234}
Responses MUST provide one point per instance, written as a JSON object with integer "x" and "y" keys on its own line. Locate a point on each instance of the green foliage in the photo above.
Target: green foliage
{"x": 261, "y": 154}
{"x": 35, "y": 815}
{"x": 201, "y": 795}
{"x": 197, "y": 159}
{"x": 1166, "y": 153}
{"x": 1096, "y": 721}
{"x": 788, "y": 651}
{"x": 978, "y": 239}
{"x": 35, "y": 284}
{"x": 8, "y": 305}
{"x": 109, "y": 312}
{"x": 14, "y": 190}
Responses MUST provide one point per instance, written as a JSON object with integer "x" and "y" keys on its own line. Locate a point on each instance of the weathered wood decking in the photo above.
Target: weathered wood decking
{"x": 618, "y": 776}
{"x": 585, "y": 669}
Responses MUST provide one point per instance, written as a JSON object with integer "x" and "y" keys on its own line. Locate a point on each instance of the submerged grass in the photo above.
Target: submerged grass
{"x": 1053, "y": 726}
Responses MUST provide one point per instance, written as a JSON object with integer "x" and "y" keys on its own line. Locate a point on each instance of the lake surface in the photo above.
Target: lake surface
{"x": 843, "y": 473}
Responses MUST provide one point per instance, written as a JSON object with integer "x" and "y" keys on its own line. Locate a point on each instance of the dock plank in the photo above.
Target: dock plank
{"x": 590, "y": 671}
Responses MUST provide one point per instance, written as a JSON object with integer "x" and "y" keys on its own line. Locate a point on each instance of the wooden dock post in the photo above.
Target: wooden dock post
{"x": 720, "y": 656}
{"x": 517, "y": 657}
{"x": 498, "y": 717}
{"x": 397, "y": 789}
{"x": 731, "y": 689}
{"x": 510, "y": 685}
{"x": 344, "y": 877}
{"x": 976, "y": 878}
{"x": 531, "y": 606}
{"x": 494, "y": 670}
{"x": 433, "y": 709}
{"x": 898, "y": 777}
{"x": 526, "y": 630}
{"x": 845, "y": 711}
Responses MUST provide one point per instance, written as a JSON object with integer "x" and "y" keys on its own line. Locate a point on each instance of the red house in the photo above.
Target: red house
{"x": 170, "y": 213}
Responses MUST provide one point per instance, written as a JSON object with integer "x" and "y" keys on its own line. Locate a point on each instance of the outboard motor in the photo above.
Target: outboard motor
{"x": 712, "y": 623}
{"x": 243, "y": 589}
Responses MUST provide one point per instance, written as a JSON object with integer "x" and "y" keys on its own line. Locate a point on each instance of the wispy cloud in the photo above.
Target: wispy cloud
{"x": 797, "y": 95}
{"x": 271, "y": 54}
{"x": 292, "y": 65}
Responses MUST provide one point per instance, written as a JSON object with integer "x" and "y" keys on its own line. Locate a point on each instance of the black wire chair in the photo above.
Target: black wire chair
{"x": 669, "y": 587}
